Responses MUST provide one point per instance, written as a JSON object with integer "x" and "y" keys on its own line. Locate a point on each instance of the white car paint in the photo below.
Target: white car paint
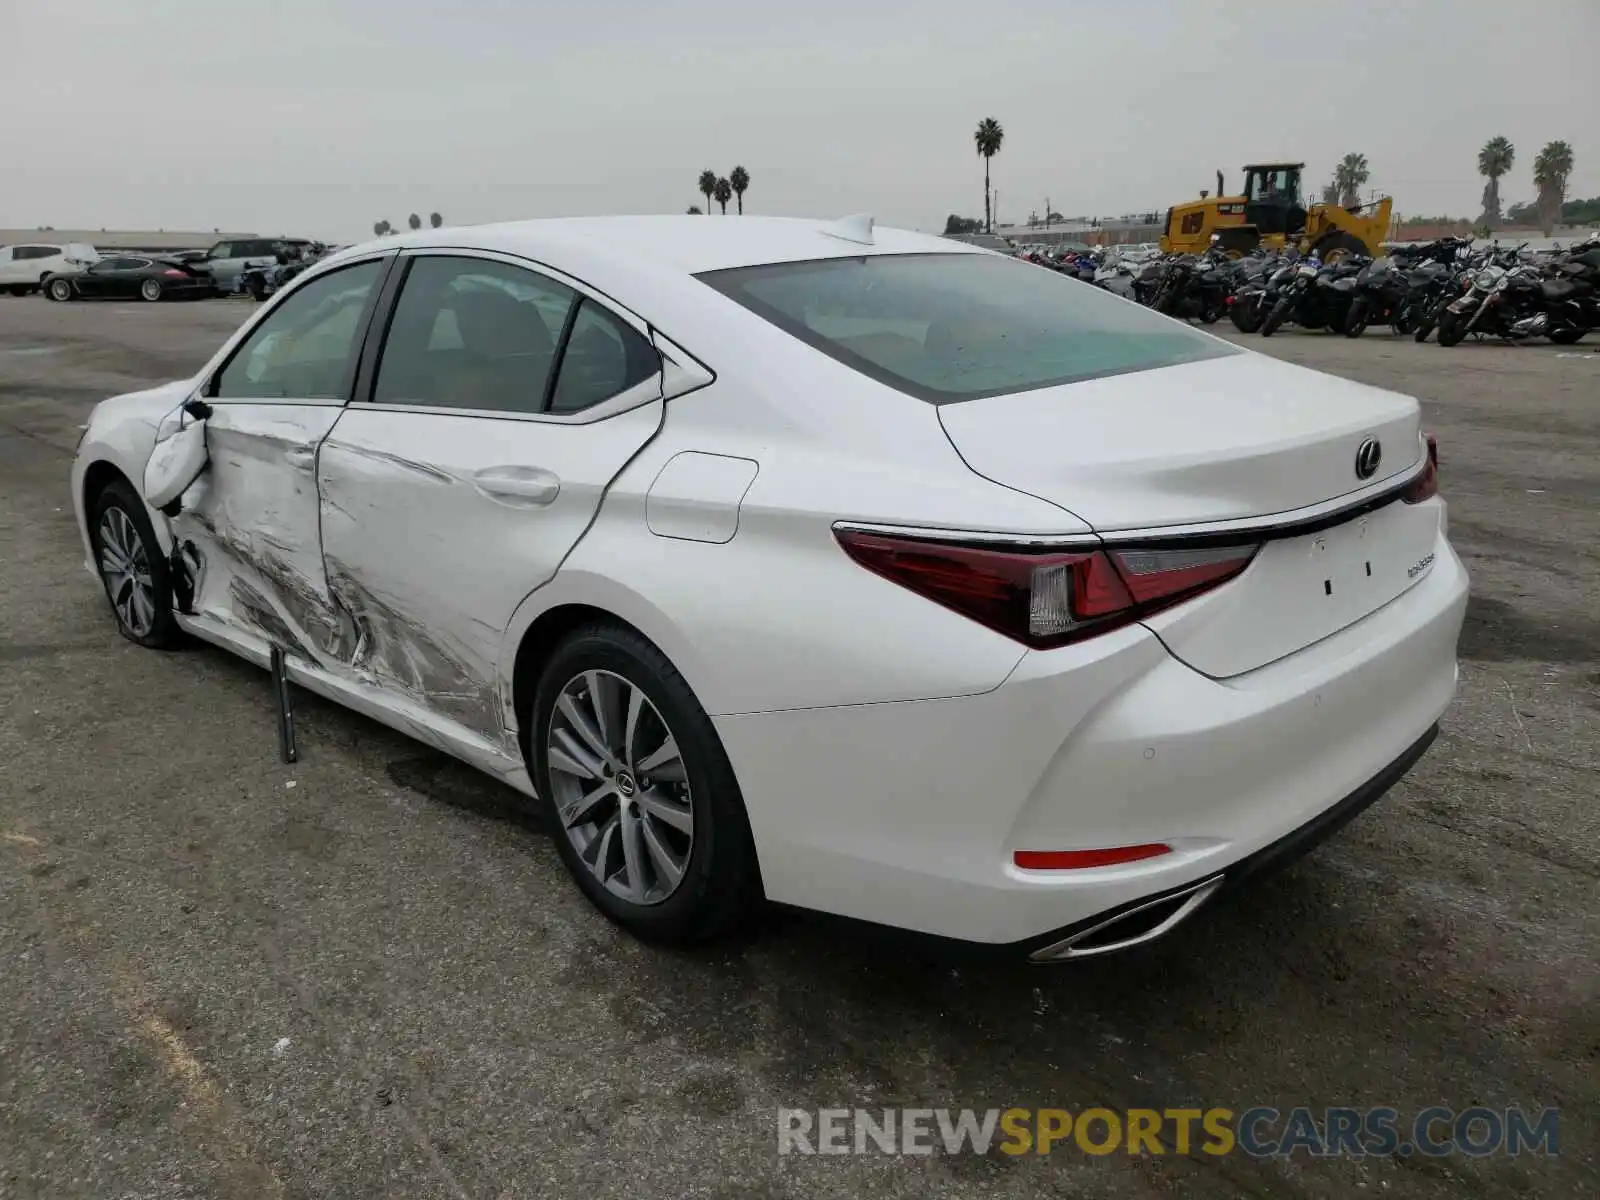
{"x": 892, "y": 753}
{"x": 28, "y": 264}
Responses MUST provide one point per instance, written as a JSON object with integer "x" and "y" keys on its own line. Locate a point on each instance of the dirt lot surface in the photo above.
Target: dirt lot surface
{"x": 367, "y": 975}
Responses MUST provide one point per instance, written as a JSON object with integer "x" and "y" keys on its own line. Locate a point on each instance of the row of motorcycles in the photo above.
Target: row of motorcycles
{"x": 1444, "y": 285}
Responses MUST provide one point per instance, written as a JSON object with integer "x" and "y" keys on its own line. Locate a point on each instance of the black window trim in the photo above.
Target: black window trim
{"x": 642, "y": 393}
{"x": 386, "y": 263}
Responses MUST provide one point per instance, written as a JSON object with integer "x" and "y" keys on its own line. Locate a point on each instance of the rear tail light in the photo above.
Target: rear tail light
{"x": 1049, "y": 598}
{"x": 1426, "y": 485}
{"x": 173, "y": 273}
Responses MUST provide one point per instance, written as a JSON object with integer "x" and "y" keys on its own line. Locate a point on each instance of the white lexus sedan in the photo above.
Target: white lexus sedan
{"x": 837, "y": 566}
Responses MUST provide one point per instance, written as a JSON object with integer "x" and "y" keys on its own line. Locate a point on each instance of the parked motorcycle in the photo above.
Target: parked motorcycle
{"x": 1194, "y": 287}
{"x": 1315, "y": 296}
{"x": 1514, "y": 299}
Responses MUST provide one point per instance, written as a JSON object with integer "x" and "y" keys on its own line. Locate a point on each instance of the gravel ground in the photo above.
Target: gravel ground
{"x": 366, "y": 975}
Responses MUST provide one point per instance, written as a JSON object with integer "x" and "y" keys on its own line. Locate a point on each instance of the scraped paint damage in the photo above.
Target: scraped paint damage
{"x": 253, "y": 539}
{"x": 400, "y": 653}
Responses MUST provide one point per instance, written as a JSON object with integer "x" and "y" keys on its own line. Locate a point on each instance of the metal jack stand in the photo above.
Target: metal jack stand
{"x": 285, "y": 702}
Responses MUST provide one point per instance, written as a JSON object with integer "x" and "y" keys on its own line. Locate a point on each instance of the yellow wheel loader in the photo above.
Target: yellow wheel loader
{"x": 1272, "y": 214}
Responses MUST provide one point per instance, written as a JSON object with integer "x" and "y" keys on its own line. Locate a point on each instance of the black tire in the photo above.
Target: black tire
{"x": 19, "y": 289}
{"x": 1355, "y": 321}
{"x": 721, "y": 883}
{"x": 60, "y": 290}
{"x": 1568, "y": 337}
{"x": 1331, "y": 247}
{"x": 1210, "y": 315}
{"x": 1275, "y": 318}
{"x": 257, "y": 287}
{"x": 150, "y": 290}
{"x": 1452, "y": 328}
{"x": 1425, "y": 327}
{"x": 163, "y": 632}
{"x": 1247, "y": 318}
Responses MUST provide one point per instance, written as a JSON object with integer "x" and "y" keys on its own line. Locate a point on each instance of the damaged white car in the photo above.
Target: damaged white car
{"x": 838, "y": 566}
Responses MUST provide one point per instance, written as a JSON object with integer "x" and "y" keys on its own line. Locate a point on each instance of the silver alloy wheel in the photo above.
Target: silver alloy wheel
{"x": 60, "y": 289}
{"x": 620, "y": 787}
{"x": 125, "y": 567}
{"x": 150, "y": 290}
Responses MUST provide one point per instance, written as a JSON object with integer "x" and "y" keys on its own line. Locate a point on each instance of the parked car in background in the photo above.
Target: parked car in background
{"x": 25, "y": 267}
{"x": 228, "y": 261}
{"x": 262, "y": 282}
{"x": 127, "y": 276}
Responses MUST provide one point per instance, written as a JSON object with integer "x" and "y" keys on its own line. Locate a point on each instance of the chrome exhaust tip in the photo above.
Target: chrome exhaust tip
{"x": 1143, "y": 923}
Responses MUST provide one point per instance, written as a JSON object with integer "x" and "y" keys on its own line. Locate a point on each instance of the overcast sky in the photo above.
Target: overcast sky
{"x": 322, "y": 116}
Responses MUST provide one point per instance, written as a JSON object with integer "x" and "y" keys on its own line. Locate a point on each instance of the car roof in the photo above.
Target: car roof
{"x": 685, "y": 244}
{"x": 647, "y": 264}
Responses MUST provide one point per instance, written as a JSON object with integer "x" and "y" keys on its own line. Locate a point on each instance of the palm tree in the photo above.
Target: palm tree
{"x": 1494, "y": 160}
{"x": 1550, "y": 171}
{"x": 723, "y": 191}
{"x": 987, "y": 137}
{"x": 1351, "y": 174}
{"x": 696, "y": 211}
{"x": 739, "y": 180}
{"x": 414, "y": 221}
{"x": 435, "y": 220}
{"x": 382, "y": 228}
{"x": 708, "y": 184}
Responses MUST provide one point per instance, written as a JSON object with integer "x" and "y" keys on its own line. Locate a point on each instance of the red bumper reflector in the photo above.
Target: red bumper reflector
{"x": 1077, "y": 860}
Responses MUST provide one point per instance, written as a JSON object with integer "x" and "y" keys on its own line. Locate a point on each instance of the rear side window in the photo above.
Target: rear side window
{"x": 953, "y": 327}
{"x": 603, "y": 358}
{"x": 473, "y": 334}
{"x": 486, "y": 336}
{"x": 37, "y": 251}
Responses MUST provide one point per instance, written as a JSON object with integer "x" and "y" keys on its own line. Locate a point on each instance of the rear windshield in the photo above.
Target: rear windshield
{"x": 952, "y": 327}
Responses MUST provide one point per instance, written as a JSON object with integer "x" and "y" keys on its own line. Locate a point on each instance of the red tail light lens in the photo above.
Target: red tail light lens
{"x": 1427, "y": 484}
{"x": 1081, "y": 860}
{"x": 1045, "y": 599}
{"x": 173, "y": 273}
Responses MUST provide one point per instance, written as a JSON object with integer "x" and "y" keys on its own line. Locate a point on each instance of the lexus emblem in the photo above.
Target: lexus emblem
{"x": 1367, "y": 458}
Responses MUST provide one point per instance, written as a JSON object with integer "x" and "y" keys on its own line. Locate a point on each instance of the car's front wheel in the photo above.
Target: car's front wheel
{"x": 648, "y": 815}
{"x": 137, "y": 580}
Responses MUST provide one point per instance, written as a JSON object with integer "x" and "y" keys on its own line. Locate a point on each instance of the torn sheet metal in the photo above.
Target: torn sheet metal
{"x": 250, "y": 529}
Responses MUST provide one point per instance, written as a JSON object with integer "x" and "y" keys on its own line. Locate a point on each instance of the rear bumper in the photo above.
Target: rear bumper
{"x": 1149, "y": 917}
{"x": 907, "y": 814}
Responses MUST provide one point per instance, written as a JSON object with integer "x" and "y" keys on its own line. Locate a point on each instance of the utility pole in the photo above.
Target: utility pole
{"x": 1047, "y": 212}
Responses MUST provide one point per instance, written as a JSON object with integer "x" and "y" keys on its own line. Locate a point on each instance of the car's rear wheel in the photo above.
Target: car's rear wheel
{"x": 136, "y": 577}
{"x": 59, "y": 290}
{"x": 648, "y": 815}
{"x": 150, "y": 290}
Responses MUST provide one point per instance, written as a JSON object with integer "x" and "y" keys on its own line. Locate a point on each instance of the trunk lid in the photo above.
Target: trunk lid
{"x": 1220, "y": 440}
{"x": 1227, "y": 439}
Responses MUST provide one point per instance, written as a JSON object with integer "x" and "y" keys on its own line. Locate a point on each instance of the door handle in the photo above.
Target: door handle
{"x": 520, "y": 486}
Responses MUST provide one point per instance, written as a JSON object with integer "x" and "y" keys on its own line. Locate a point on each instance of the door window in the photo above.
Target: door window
{"x": 304, "y": 348}
{"x": 602, "y": 358}
{"x": 221, "y": 250}
{"x": 473, "y": 334}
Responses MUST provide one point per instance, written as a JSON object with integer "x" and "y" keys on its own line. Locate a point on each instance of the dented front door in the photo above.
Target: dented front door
{"x": 248, "y": 533}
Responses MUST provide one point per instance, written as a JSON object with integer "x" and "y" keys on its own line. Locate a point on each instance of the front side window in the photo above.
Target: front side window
{"x": 305, "y": 347}
{"x": 221, "y": 250}
{"x": 953, "y": 327}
